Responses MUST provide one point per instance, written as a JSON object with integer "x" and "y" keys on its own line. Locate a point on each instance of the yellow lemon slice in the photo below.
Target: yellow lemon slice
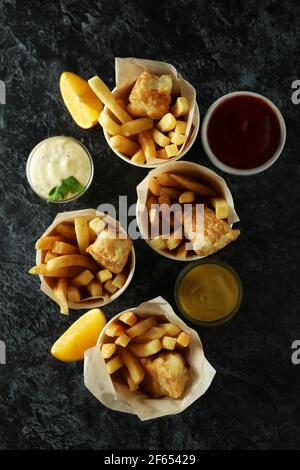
{"x": 80, "y": 100}
{"x": 82, "y": 335}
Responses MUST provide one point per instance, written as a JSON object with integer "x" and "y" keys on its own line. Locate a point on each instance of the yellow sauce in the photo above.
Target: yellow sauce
{"x": 55, "y": 159}
{"x": 208, "y": 292}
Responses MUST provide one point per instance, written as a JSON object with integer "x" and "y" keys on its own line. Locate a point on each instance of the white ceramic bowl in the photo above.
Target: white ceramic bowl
{"x": 238, "y": 171}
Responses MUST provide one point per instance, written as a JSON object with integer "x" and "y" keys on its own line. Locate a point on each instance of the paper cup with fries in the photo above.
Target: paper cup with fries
{"x": 172, "y": 198}
{"x": 152, "y": 116}
{"x": 76, "y": 261}
{"x": 147, "y": 362}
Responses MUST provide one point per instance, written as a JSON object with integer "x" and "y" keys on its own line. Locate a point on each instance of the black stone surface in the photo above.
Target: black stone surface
{"x": 219, "y": 47}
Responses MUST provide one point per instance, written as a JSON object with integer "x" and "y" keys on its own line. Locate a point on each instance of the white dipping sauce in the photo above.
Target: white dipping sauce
{"x": 55, "y": 159}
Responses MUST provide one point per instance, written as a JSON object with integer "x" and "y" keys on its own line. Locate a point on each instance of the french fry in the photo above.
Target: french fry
{"x": 132, "y": 386}
{"x": 104, "y": 275}
{"x": 107, "y": 98}
{"x": 181, "y": 107}
{"x": 164, "y": 200}
{"x": 124, "y": 145}
{"x": 161, "y": 153}
{"x": 97, "y": 225}
{"x": 181, "y": 251}
{"x": 119, "y": 280}
{"x": 82, "y": 279}
{"x": 168, "y": 343}
{"x": 180, "y": 127}
{"x": 176, "y": 138}
{"x": 154, "y": 186}
{"x": 158, "y": 243}
{"x": 114, "y": 364}
{"x": 193, "y": 185}
{"x": 60, "y": 295}
{"x": 129, "y": 318}
{"x": 133, "y": 365}
{"x": 147, "y": 143}
{"x": 170, "y": 329}
{"x": 95, "y": 289}
{"x": 153, "y": 333}
{"x": 66, "y": 261}
{"x": 123, "y": 340}
{"x": 109, "y": 286}
{"x": 49, "y": 255}
{"x": 136, "y": 126}
{"x": 183, "y": 340}
{"x": 63, "y": 248}
{"x": 114, "y": 329}
{"x": 186, "y": 197}
{"x": 73, "y": 294}
{"x": 139, "y": 157}
{"x": 172, "y": 150}
{"x": 121, "y": 103}
{"x": 159, "y": 138}
{"x": 151, "y": 201}
{"x": 109, "y": 124}
{"x": 174, "y": 240}
{"x": 46, "y": 243}
{"x": 172, "y": 193}
{"x": 67, "y": 231}
{"x": 167, "y": 123}
{"x": 220, "y": 206}
{"x": 108, "y": 350}
{"x": 146, "y": 349}
{"x": 141, "y": 327}
{"x": 43, "y": 270}
{"x": 82, "y": 233}
{"x": 165, "y": 179}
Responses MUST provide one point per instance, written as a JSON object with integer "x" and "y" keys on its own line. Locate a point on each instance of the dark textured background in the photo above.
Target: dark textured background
{"x": 219, "y": 47}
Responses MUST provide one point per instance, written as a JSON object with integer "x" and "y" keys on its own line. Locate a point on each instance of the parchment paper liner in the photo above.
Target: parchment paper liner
{"x": 91, "y": 302}
{"x": 189, "y": 169}
{"x": 127, "y": 70}
{"x": 117, "y": 396}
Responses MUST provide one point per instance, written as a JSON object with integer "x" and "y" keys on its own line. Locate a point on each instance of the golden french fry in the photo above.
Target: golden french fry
{"x": 97, "y": 225}
{"x": 165, "y": 179}
{"x": 172, "y": 150}
{"x": 95, "y": 289}
{"x": 83, "y": 279}
{"x": 147, "y": 144}
{"x": 67, "y": 231}
{"x": 167, "y": 123}
{"x": 159, "y": 138}
{"x": 82, "y": 233}
{"x": 158, "y": 243}
{"x": 182, "y": 340}
{"x": 170, "y": 329}
{"x": 181, "y": 251}
{"x": 181, "y": 107}
{"x": 114, "y": 364}
{"x": 133, "y": 365}
{"x": 168, "y": 343}
{"x": 46, "y": 243}
{"x": 139, "y": 157}
{"x": 180, "y": 127}
{"x": 63, "y": 248}
{"x": 154, "y": 186}
{"x": 174, "y": 240}
{"x": 114, "y": 329}
{"x": 132, "y": 386}
{"x": 124, "y": 145}
{"x": 146, "y": 349}
{"x": 104, "y": 275}
{"x": 43, "y": 270}
{"x": 60, "y": 295}
{"x": 121, "y": 102}
{"x": 136, "y": 126}
{"x": 164, "y": 200}
{"x": 220, "y": 206}
{"x": 129, "y": 318}
{"x": 109, "y": 124}
{"x": 193, "y": 185}
{"x": 151, "y": 201}
{"x": 186, "y": 197}
{"x": 176, "y": 138}
{"x": 49, "y": 255}
{"x": 66, "y": 261}
{"x": 107, "y": 98}
{"x": 123, "y": 340}
{"x": 161, "y": 153}
{"x": 108, "y": 350}
{"x": 153, "y": 333}
{"x": 119, "y": 280}
{"x": 141, "y": 327}
{"x": 73, "y": 294}
{"x": 172, "y": 193}
{"x": 110, "y": 287}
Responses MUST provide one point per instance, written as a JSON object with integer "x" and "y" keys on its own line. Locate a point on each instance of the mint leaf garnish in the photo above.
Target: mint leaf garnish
{"x": 68, "y": 185}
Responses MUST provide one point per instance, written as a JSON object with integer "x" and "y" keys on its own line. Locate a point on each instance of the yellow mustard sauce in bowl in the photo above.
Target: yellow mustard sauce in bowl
{"x": 208, "y": 292}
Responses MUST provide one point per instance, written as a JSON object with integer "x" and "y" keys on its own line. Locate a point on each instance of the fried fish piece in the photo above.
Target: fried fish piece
{"x": 110, "y": 251}
{"x": 217, "y": 233}
{"x": 166, "y": 375}
{"x": 150, "y": 96}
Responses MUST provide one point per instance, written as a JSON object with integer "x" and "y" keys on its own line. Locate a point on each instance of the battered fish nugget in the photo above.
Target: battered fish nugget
{"x": 150, "y": 96}
{"x": 166, "y": 375}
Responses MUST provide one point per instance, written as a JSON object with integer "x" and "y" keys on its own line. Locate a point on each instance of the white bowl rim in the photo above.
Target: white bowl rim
{"x": 236, "y": 171}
